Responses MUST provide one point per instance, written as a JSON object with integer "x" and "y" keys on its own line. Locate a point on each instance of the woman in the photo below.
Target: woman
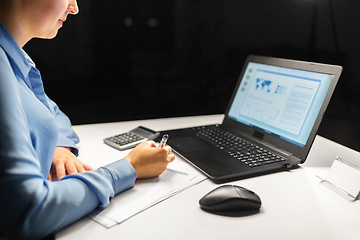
{"x": 37, "y": 143}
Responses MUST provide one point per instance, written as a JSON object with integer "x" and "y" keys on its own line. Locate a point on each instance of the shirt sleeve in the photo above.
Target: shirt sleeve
{"x": 67, "y": 136}
{"x": 32, "y": 207}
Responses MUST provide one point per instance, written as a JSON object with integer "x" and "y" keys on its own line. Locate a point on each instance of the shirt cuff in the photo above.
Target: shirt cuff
{"x": 123, "y": 174}
{"x": 66, "y": 142}
{"x": 109, "y": 180}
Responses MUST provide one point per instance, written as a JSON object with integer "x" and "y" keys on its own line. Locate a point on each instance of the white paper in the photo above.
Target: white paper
{"x": 147, "y": 193}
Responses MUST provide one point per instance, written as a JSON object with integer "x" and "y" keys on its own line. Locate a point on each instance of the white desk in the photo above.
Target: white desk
{"x": 295, "y": 204}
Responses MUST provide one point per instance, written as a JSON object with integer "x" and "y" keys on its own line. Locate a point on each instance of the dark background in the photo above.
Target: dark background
{"x": 141, "y": 59}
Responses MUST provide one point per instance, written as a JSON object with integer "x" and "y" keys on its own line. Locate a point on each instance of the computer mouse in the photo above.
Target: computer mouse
{"x": 230, "y": 198}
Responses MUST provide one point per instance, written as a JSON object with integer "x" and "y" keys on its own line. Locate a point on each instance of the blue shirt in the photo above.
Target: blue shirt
{"x": 31, "y": 126}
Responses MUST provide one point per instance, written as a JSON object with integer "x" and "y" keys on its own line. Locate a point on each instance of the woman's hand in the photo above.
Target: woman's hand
{"x": 149, "y": 160}
{"x": 65, "y": 163}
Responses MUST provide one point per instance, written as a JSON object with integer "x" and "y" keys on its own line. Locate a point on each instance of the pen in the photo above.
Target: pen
{"x": 164, "y": 140}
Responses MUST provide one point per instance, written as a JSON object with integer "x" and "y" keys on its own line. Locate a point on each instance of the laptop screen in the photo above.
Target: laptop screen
{"x": 283, "y": 102}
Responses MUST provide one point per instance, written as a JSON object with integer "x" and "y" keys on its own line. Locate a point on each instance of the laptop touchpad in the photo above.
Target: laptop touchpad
{"x": 188, "y": 144}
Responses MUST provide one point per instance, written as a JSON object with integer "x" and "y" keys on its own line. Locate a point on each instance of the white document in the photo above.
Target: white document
{"x": 147, "y": 193}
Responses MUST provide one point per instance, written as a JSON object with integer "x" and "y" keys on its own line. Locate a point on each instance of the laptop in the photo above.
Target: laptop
{"x": 269, "y": 125}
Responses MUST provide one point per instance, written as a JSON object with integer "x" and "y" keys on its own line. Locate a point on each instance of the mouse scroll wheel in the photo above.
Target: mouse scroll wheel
{"x": 238, "y": 191}
{"x": 246, "y": 193}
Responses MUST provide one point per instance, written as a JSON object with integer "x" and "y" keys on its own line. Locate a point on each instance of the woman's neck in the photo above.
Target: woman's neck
{"x": 14, "y": 23}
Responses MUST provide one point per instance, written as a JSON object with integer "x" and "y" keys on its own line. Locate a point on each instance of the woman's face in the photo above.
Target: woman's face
{"x": 45, "y": 17}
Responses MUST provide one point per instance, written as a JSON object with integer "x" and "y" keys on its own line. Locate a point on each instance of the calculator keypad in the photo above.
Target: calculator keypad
{"x": 125, "y": 138}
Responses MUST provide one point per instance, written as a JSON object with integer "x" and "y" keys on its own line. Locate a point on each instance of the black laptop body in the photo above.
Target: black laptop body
{"x": 269, "y": 125}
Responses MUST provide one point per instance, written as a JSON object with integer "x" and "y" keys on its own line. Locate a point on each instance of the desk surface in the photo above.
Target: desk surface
{"x": 295, "y": 204}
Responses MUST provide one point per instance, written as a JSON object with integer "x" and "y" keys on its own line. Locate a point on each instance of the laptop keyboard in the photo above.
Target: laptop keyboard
{"x": 248, "y": 153}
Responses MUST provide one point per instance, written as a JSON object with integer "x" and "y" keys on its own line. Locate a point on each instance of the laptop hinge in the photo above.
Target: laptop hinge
{"x": 287, "y": 165}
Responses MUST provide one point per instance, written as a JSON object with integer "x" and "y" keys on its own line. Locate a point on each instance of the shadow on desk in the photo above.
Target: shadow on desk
{"x": 254, "y": 175}
{"x": 234, "y": 213}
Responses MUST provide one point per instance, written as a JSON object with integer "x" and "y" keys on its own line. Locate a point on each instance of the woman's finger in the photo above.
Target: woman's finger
{"x": 87, "y": 167}
{"x": 70, "y": 168}
{"x": 60, "y": 171}
{"x": 79, "y": 166}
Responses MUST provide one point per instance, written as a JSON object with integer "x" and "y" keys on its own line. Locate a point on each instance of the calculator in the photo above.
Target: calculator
{"x": 131, "y": 138}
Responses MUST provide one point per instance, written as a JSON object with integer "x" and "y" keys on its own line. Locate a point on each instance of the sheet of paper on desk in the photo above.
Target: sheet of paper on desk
{"x": 147, "y": 193}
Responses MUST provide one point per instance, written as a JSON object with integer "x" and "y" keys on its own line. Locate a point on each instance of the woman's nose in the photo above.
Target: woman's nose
{"x": 73, "y": 7}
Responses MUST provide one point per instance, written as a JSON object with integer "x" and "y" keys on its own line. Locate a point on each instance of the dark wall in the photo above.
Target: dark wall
{"x": 135, "y": 59}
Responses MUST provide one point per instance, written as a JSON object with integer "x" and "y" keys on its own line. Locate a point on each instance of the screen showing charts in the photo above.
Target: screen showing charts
{"x": 281, "y": 101}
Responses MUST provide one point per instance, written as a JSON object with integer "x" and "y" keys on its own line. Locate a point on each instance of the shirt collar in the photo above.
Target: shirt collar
{"x": 14, "y": 52}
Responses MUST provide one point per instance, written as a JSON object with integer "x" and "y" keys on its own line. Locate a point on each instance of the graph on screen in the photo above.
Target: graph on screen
{"x": 279, "y": 100}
